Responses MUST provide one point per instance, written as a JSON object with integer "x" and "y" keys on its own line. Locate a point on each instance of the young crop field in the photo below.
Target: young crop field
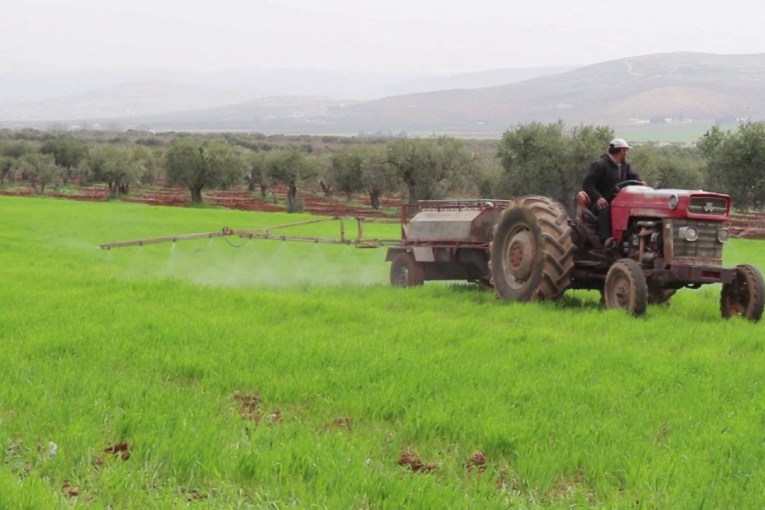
{"x": 225, "y": 373}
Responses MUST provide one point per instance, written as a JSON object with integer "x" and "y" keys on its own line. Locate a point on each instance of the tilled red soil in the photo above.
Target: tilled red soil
{"x": 748, "y": 225}
{"x": 231, "y": 199}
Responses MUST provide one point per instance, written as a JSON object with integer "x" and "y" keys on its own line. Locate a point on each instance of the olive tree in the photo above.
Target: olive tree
{"x": 363, "y": 168}
{"x": 257, "y": 172}
{"x": 548, "y": 159}
{"x": 202, "y": 164}
{"x": 289, "y": 166}
{"x": 9, "y": 155}
{"x": 40, "y": 170}
{"x": 346, "y": 170}
{"x": 377, "y": 175}
{"x": 121, "y": 166}
{"x": 736, "y": 162}
{"x": 669, "y": 166}
{"x": 431, "y": 168}
{"x": 67, "y": 151}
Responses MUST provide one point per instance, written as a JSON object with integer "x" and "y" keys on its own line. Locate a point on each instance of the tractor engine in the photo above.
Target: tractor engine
{"x": 643, "y": 241}
{"x": 658, "y": 228}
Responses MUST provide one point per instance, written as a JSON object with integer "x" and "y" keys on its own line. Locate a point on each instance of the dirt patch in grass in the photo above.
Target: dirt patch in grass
{"x": 69, "y": 490}
{"x": 415, "y": 463}
{"x": 122, "y": 450}
{"x": 343, "y": 423}
{"x": 248, "y": 406}
{"x": 477, "y": 462}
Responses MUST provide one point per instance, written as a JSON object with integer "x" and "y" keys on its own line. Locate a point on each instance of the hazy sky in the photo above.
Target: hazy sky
{"x": 379, "y": 35}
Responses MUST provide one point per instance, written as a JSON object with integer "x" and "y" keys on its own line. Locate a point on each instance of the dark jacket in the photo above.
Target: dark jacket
{"x": 604, "y": 174}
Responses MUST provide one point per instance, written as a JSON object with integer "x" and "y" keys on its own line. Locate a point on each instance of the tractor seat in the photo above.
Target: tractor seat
{"x": 583, "y": 212}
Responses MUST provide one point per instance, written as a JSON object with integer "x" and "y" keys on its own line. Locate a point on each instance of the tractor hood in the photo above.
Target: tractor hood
{"x": 644, "y": 201}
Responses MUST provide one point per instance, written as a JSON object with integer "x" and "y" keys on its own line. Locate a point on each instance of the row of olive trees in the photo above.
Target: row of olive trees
{"x": 534, "y": 158}
{"x": 196, "y": 163}
{"x": 200, "y": 164}
{"x": 55, "y": 161}
{"x": 32, "y": 165}
{"x": 426, "y": 169}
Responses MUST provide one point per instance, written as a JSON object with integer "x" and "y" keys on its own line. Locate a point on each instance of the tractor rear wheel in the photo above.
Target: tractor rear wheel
{"x": 405, "y": 271}
{"x": 626, "y": 287}
{"x": 744, "y": 296}
{"x": 531, "y": 254}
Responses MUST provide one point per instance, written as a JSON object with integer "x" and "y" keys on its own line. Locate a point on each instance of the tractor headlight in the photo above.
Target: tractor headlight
{"x": 723, "y": 235}
{"x": 690, "y": 234}
{"x": 673, "y": 201}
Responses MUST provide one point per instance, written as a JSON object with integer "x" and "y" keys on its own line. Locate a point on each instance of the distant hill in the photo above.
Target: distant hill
{"x": 678, "y": 88}
{"x": 89, "y": 95}
{"x": 652, "y": 90}
{"x": 121, "y": 101}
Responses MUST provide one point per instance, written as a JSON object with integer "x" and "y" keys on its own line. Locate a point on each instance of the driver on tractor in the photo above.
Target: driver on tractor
{"x": 601, "y": 183}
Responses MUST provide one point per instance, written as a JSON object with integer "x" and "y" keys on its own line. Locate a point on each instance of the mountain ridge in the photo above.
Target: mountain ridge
{"x": 683, "y": 87}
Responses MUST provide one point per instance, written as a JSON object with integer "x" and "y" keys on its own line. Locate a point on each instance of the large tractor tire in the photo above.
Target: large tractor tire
{"x": 744, "y": 296}
{"x": 626, "y": 287}
{"x": 531, "y": 254}
{"x": 405, "y": 271}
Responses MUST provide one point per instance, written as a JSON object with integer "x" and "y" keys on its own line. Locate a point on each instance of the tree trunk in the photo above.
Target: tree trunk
{"x": 294, "y": 204}
{"x": 6, "y": 169}
{"x": 263, "y": 189}
{"x": 196, "y": 195}
{"x": 327, "y": 189}
{"x": 374, "y": 198}
{"x": 412, "y": 193}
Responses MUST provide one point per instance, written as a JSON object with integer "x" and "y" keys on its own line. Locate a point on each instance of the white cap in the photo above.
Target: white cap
{"x": 620, "y": 143}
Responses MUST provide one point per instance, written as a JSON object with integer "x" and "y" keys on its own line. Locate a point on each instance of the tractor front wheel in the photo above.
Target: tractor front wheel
{"x": 626, "y": 287}
{"x": 405, "y": 271}
{"x": 743, "y": 296}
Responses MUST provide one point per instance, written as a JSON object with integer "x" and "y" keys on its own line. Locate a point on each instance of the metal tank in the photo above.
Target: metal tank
{"x": 446, "y": 240}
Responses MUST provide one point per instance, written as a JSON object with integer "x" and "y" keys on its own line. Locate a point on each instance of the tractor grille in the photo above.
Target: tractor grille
{"x": 706, "y": 246}
{"x": 708, "y": 206}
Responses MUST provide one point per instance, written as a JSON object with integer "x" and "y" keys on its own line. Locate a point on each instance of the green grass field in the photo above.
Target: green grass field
{"x": 279, "y": 375}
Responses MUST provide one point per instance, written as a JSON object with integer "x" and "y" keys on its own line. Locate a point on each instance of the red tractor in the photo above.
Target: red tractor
{"x": 530, "y": 249}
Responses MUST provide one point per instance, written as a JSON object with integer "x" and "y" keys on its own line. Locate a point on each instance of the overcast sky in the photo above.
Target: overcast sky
{"x": 379, "y": 35}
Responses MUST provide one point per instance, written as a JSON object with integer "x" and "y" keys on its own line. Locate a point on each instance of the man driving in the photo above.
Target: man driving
{"x": 600, "y": 183}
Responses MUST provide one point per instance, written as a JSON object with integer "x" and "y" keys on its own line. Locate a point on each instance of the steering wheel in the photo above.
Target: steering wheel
{"x": 624, "y": 184}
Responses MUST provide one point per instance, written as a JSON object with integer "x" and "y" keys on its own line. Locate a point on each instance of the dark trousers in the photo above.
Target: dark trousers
{"x": 604, "y": 220}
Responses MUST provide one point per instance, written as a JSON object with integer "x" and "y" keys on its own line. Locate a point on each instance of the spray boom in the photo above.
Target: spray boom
{"x": 268, "y": 233}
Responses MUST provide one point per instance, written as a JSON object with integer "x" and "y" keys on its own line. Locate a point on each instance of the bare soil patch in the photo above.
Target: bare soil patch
{"x": 240, "y": 199}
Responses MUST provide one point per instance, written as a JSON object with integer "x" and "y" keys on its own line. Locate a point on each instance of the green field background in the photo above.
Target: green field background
{"x": 277, "y": 375}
